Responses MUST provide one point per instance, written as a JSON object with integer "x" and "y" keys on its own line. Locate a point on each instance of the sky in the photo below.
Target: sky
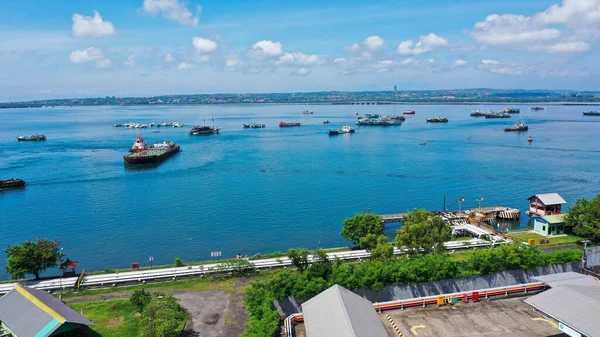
{"x": 85, "y": 48}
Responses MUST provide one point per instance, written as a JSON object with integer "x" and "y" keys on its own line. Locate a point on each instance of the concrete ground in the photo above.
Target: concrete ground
{"x": 207, "y": 311}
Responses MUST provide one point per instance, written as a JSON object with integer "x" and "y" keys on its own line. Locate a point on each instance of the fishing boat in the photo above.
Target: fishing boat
{"x": 139, "y": 144}
{"x": 520, "y": 126}
{"x": 33, "y": 138}
{"x": 306, "y": 112}
{"x": 497, "y": 115}
{"x": 204, "y": 129}
{"x": 398, "y": 118}
{"x": 283, "y": 124}
{"x": 152, "y": 154}
{"x": 478, "y": 113}
{"x": 512, "y": 110}
{"x": 254, "y": 126}
{"x": 11, "y": 183}
{"x": 423, "y": 143}
{"x": 326, "y": 121}
{"x": 344, "y": 130}
{"x": 592, "y": 113}
{"x": 437, "y": 120}
{"x": 409, "y": 112}
{"x": 536, "y": 108}
{"x": 530, "y": 139}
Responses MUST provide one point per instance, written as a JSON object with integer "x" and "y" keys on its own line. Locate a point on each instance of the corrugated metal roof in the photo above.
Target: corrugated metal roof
{"x": 554, "y": 219}
{"x": 549, "y": 198}
{"x": 568, "y": 278}
{"x": 592, "y": 257}
{"x": 574, "y": 305}
{"x": 338, "y": 312}
{"x": 55, "y": 304}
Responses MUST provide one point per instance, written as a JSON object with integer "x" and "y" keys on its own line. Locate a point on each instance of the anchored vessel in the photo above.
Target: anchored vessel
{"x": 204, "y": 129}
{"x": 520, "y": 126}
{"x": 34, "y": 137}
{"x": 345, "y": 129}
{"x": 437, "y": 120}
{"x": 283, "y": 124}
{"x": 254, "y": 126}
{"x": 11, "y": 183}
{"x": 592, "y": 113}
{"x": 376, "y": 120}
{"x": 326, "y": 121}
{"x": 478, "y": 113}
{"x": 497, "y": 115}
{"x": 306, "y": 112}
{"x": 535, "y": 108}
{"x": 151, "y": 154}
{"x": 512, "y": 110}
{"x": 409, "y": 112}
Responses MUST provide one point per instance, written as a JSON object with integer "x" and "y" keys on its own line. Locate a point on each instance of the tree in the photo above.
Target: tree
{"x": 584, "y": 218}
{"x": 378, "y": 245}
{"x": 140, "y": 298}
{"x": 33, "y": 257}
{"x": 178, "y": 262}
{"x": 237, "y": 267}
{"x": 299, "y": 258}
{"x": 423, "y": 232}
{"x": 162, "y": 317}
{"x": 360, "y": 225}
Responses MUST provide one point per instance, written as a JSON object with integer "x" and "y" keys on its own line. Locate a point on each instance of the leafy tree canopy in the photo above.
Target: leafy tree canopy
{"x": 32, "y": 257}
{"x": 584, "y": 218}
{"x": 299, "y": 258}
{"x": 423, "y": 232}
{"x": 162, "y": 316}
{"x": 360, "y": 225}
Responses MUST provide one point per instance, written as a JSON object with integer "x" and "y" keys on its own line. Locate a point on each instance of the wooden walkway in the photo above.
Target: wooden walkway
{"x": 393, "y": 217}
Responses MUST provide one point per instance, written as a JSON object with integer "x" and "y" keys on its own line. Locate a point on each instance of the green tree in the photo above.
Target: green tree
{"x": 237, "y": 267}
{"x": 299, "y": 258}
{"x": 162, "y": 317}
{"x": 140, "y": 298}
{"x": 178, "y": 262}
{"x": 584, "y": 218}
{"x": 360, "y": 225}
{"x": 423, "y": 232}
{"x": 378, "y": 245}
{"x": 32, "y": 257}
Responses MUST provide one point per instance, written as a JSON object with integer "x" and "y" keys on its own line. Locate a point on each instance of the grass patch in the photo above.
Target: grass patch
{"x": 553, "y": 241}
{"x": 111, "y": 318}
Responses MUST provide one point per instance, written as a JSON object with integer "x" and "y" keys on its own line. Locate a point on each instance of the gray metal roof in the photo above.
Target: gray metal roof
{"x": 592, "y": 257}
{"x": 338, "y": 312}
{"x": 573, "y": 305}
{"x": 568, "y": 278}
{"x": 550, "y": 198}
{"x": 26, "y": 318}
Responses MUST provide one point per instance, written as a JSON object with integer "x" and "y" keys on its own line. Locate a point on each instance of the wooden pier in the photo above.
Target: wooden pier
{"x": 387, "y": 218}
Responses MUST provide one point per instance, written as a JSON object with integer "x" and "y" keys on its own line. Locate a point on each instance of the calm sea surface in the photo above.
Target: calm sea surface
{"x": 251, "y": 191}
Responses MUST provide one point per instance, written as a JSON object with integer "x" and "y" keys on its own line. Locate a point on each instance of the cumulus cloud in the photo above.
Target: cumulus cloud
{"x": 90, "y": 54}
{"x": 498, "y": 67}
{"x": 559, "y": 29}
{"x": 374, "y": 43}
{"x": 169, "y": 58}
{"x": 130, "y": 62}
{"x": 203, "y": 46}
{"x": 459, "y": 63}
{"x": 431, "y": 61}
{"x": 92, "y": 27}
{"x": 173, "y": 10}
{"x": 234, "y": 64}
{"x": 426, "y": 44}
{"x": 302, "y": 71}
{"x": 45, "y": 91}
{"x": 299, "y": 59}
{"x": 186, "y": 66}
{"x": 366, "y": 49}
{"x": 266, "y": 49}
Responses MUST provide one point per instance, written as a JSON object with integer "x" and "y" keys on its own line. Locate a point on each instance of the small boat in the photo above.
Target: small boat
{"x": 155, "y": 131}
{"x": 409, "y": 112}
{"x": 344, "y": 130}
{"x": 33, "y": 138}
{"x": 591, "y": 113}
{"x": 497, "y": 115}
{"x": 204, "y": 129}
{"x": 398, "y": 118}
{"x": 288, "y": 124}
{"x": 536, "y": 108}
{"x": 423, "y": 143}
{"x": 520, "y": 126}
{"x": 118, "y": 125}
{"x": 478, "y": 113}
{"x": 356, "y": 114}
{"x": 469, "y": 138}
{"x": 11, "y": 183}
{"x": 437, "y": 120}
{"x": 326, "y": 122}
{"x": 512, "y": 110}
{"x": 254, "y": 126}
{"x": 530, "y": 139}
{"x": 306, "y": 112}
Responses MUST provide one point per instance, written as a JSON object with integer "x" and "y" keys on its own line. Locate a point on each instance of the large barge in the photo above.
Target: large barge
{"x": 151, "y": 154}
{"x": 283, "y": 124}
{"x": 591, "y": 113}
{"x": 11, "y": 183}
{"x": 33, "y": 138}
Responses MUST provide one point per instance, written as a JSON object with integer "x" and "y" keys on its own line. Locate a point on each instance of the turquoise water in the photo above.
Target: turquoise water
{"x": 262, "y": 190}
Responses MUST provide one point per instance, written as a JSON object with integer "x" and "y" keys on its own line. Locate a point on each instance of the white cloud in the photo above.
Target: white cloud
{"x": 302, "y": 71}
{"x": 130, "y": 62}
{"x": 45, "y": 91}
{"x": 266, "y": 49}
{"x": 339, "y": 60}
{"x": 173, "y": 10}
{"x": 431, "y": 61}
{"x": 498, "y": 67}
{"x": 185, "y": 66}
{"x": 366, "y": 49}
{"x": 299, "y": 59}
{"x": 426, "y": 44}
{"x": 93, "y": 27}
{"x": 203, "y": 46}
{"x": 90, "y": 54}
{"x": 374, "y": 43}
{"x": 559, "y": 29}
{"x": 489, "y": 61}
{"x": 169, "y": 58}
{"x": 459, "y": 63}
{"x": 234, "y": 64}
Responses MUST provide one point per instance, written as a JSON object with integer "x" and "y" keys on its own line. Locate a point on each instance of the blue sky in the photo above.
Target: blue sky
{"x": 66, "y": 48}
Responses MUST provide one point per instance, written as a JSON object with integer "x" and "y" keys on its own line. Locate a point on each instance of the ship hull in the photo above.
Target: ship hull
{"x": 12, "y": 183}
{"x": 151, "y": 159}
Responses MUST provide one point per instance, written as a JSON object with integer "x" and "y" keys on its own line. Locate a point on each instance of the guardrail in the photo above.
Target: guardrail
{"x": 474, "y": 295}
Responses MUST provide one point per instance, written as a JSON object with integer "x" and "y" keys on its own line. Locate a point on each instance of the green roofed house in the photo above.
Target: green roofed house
{"x": 27, "y": 312}
{"x": 549, "y": 224}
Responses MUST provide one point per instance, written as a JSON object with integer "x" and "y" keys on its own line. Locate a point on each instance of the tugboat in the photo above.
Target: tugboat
{"x": 520, "y": 126}
{"x": 152, "y": 154}
{"x": 592, "y": 113}
{"x": 530, "y": 139}
{"x": 11, "y": 183}
{"x": 139, "y": 144}
{"x": 345, "y": 129}
{"x": 306, "y": 112}
{"x": 409, "y": 112}
{"x": 204, "y": 129}
{"x": 512, "y": 110}
{"x": 497, "y": 115}
{"x": 254, "y": 126}
{"x": 33, "y": 138}
{"x": 536, "y": 108}
{"x": 437, "y": 120}
{"x": 288, "y": 124}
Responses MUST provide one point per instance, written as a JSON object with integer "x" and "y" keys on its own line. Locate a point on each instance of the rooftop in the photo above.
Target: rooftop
{"x": 554, "y": 219}
{"x": 549, "y": 198}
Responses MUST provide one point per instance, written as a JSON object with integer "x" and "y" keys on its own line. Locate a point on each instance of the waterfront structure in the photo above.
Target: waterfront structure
{"x": 545, "y": 204}
{"x": 338, "y": 312}
{"x": 549, "y": 224}
{"x": 27, "y": 312}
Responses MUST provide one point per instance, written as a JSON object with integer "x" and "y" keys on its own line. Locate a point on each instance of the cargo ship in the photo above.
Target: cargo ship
{"x": 11, "y": 183}
{"x": 283, "y": 124}
{"x": 520, "y": 126}
{"x": 254, "y": 126}
{"x": 204, "y": 129}
{"x": 592, "y": 113}
{"x": 437, "y": 120}
{"x": 344, "y": 130}
{"x": 497, "y": 115}
{"x": 375, "y": 120}
{"x": 512, "y": 110}
{"x": 409, "y": 112}
{"x": 151, "y": 154}
{"x": 33, "y": 138}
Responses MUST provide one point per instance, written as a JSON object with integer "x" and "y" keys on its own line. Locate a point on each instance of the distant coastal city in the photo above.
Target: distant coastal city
{"x": 455, "y": 96}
